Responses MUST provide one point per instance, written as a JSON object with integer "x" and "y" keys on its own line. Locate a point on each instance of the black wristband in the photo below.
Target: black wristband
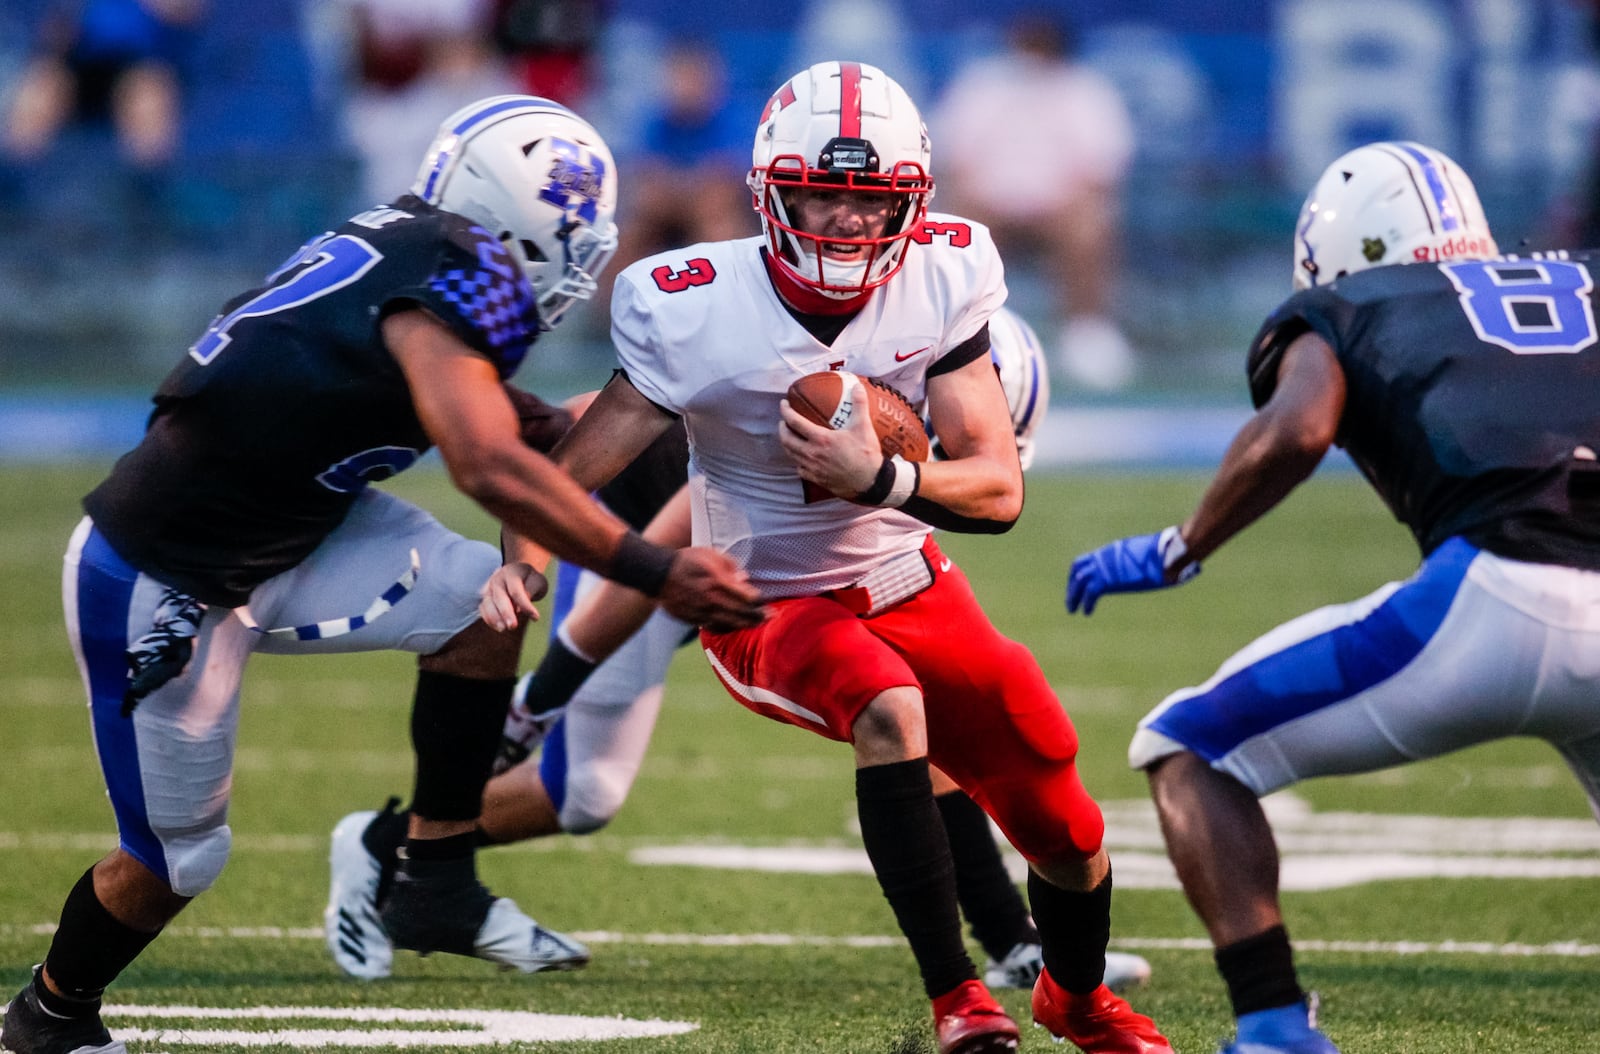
{"x": 882, "y": 483}
{"x": 641, "y": 565}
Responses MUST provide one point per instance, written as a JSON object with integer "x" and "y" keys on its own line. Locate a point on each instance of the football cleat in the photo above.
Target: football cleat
{"x": 31, "y": 1029}
{"x": 523, "y": 731}
{"x": 967, "y": 1020}
{"x": 1020, "y": 969}
{"x": 351, "y": 923}
{"x": 466, "y": 919}
{"x": 1315, "y": 1043}
{"x": 1126, "y": 971}
{"x": 1281, "y": 1030}
{"x": 1099, "y": 1022}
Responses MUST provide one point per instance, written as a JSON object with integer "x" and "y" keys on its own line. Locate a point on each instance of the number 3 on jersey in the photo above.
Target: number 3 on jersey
{"x": 696, "y": 272}
{"x": 1528, "y": 307}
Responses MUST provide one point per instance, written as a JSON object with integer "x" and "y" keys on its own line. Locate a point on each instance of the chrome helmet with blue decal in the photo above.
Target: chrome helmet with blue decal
{"x": 1019, "y": 359}
{"x": 540, "y": 179}
{"x": 1388, "y": 203}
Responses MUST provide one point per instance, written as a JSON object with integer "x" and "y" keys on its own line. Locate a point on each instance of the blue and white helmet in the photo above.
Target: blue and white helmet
{"x": 1388, "y": 203}
{"x": 1024, "y": 375}
{"x": 540, "y": 179}
{"x": 1018, "y": 358}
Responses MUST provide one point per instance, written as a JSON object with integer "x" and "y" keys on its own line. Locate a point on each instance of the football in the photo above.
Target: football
{"x": 829, "y": 398}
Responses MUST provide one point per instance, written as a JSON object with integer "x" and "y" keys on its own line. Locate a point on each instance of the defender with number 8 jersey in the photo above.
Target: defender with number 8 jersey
{"x": 1473, "y": 397}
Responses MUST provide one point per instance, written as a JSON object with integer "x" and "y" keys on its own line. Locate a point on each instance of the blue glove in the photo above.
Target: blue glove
{"x": 1127, "y": 565}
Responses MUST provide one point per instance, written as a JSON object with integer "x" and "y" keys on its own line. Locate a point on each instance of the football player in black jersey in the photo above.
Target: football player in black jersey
{"x": 1463, "y": 385}
{"x": 243, "y": 522}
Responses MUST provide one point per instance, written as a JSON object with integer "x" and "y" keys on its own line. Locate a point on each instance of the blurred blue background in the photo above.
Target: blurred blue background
{"x": 104, "y": 280}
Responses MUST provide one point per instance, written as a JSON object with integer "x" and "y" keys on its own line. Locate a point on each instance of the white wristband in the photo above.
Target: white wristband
{"x": 906, "y": 478}
{"x": 1175, "y": 551}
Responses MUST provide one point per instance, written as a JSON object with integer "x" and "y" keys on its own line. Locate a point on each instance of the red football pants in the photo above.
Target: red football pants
{"x": 994, "y": 725}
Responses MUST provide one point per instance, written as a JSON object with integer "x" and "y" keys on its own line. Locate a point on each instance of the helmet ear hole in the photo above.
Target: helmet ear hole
{"x": 531, "y": 250}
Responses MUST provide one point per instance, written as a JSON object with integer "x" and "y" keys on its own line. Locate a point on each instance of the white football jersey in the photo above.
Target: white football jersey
{"x": 701, "y": 332}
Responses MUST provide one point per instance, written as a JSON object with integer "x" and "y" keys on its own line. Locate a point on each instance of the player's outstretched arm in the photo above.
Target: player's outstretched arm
{"x": 465, "y": 411}
{"x": 1272, "y": 454}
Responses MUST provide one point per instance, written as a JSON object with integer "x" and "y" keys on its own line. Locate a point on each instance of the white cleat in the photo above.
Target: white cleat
{"x": 1125, "y": 970}
{"x": 1020, "y": 969}
{"x": 350, "y": 923}
{"x": 516, "y": 942}
{"x": 523, "y": 731}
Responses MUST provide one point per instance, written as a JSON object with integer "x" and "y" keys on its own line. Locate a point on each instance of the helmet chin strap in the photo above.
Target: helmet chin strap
{"x": 803, "y": 298}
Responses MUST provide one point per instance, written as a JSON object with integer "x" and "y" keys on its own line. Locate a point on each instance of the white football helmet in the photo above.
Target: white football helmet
{"x": 1388, "y": 203}
{"x": 539, "y": 178}
{"x": 1024, "y": 375}
{"x": 1018, "y": 358}
{"x": 840, "y": 125}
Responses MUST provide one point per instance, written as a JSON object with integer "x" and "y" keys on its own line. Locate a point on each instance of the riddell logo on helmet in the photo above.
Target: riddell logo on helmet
{"x": 1467, "y": 245}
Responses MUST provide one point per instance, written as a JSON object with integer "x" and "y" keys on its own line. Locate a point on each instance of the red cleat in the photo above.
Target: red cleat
{"x": 969, "y": 1021}
{"x": 1099, "y": 1022}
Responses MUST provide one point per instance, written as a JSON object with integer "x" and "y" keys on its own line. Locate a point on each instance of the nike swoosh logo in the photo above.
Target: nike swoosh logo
{"x": 944, "y": 565}
{"x": 903, "y": 356}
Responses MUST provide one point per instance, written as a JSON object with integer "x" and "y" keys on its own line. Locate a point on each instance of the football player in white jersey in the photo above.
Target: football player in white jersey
{"x": 873, "y": 637}
{"x": 580, "y": 724}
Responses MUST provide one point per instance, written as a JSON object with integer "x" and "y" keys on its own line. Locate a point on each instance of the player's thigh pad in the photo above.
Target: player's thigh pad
{"x": 1460, "y": 653}
{"x": 995, "y": 726}
{"x": 362, "y": 560}
{"x": 812, "y": 663}
{"x": 168, "y": 768}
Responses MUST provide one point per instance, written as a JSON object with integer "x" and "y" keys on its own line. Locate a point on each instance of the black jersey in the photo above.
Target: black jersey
{"x": 289, "y": 403}
{"x": 1473, "y": 402}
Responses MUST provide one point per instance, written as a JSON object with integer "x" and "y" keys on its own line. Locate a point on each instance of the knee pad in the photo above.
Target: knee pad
{"x": 194, "y": 859}
{"x": 592, "y": 801}
{"x": 1048, "y": 818}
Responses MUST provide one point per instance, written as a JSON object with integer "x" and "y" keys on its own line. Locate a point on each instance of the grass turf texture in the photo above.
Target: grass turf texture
{"x": 322, "y": 736}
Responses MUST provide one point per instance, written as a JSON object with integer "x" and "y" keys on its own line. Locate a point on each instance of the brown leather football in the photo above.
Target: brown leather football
{"x": 829, "y": 398}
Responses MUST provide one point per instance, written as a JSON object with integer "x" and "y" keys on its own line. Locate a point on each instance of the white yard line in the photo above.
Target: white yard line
{"x": 1554, "y": 949}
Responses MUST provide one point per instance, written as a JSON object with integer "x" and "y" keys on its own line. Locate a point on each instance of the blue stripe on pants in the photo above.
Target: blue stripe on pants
{"x": 105, "y": 592}
{"x": 1321, "y": 670}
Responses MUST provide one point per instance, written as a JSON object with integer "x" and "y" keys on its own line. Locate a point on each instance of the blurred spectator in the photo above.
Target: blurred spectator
{"x": 417, "y": 62}
{"x": 98, "y": 61}
{"x": 876, "y": 32}
{"x": 551, "y": 45}
{"x": 684, "y": 182}
{"x": 1037, "y": 145}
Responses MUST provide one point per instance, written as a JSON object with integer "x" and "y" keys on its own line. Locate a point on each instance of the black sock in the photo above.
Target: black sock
{"x": 911, "y": 857}
{"x": 989, "y": 899}
{"x": 387, "y": 832}
{"x": 1259, "y": 972}
{"x": 451, "y": 858}
{"x": 455, "y": 731}
{"x": 1075, "y": 927}
{"x": 89, "y": 950}
{"x": 557, "y": 678}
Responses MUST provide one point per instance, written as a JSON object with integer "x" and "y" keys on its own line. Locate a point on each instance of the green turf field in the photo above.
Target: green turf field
{"x": 1425, "y": 965}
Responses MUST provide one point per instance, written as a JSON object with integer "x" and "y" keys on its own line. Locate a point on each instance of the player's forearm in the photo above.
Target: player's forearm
{"x": 1257, "y": 472}
{"x": 974, "y": 495}
{"x": 547, "y": 512}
